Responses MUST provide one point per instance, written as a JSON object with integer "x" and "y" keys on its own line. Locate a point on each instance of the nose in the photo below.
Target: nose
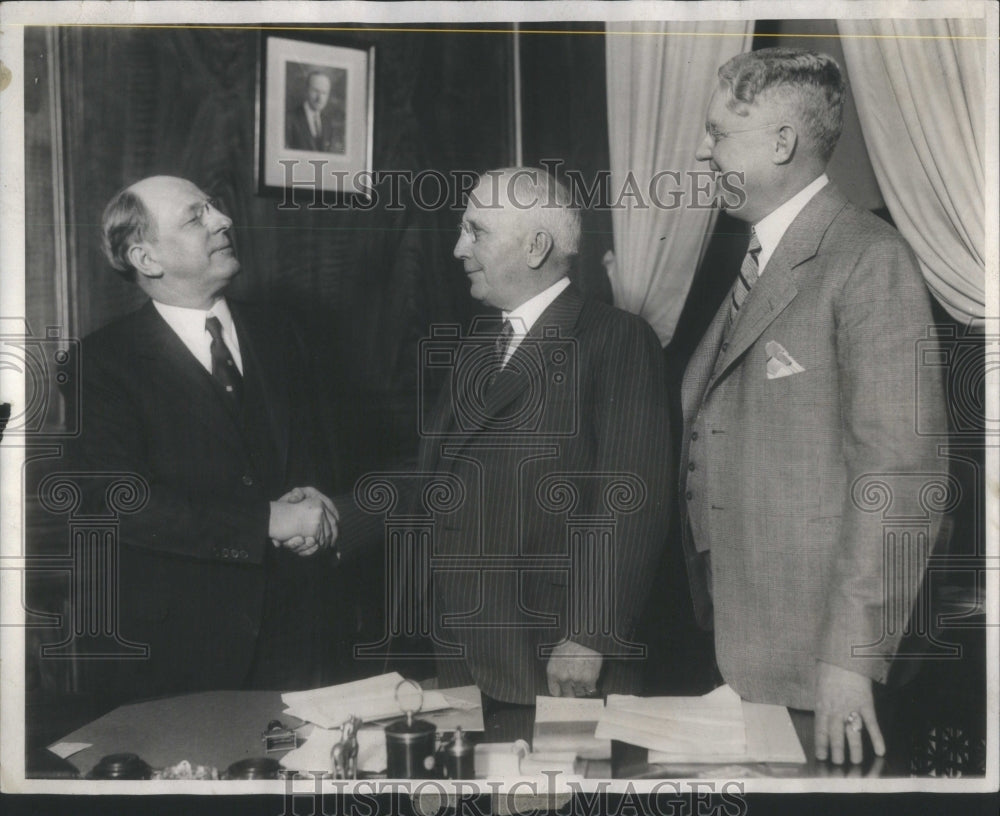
{"x": 218, "y": 220}
{"x": 704, "y": 151}
{"x": 461, "y": 250}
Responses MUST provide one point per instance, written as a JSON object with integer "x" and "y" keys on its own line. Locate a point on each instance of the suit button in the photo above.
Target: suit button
{"x": 694, "y": 436}
{"x": 248, "y": 481}
{"x": 690, "y": 465}
{"x": 725, "y": 346}
{"x": 689, "y": 495}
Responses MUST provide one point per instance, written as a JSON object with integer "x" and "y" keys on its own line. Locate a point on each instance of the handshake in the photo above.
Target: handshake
{"x": 303, "y": 521}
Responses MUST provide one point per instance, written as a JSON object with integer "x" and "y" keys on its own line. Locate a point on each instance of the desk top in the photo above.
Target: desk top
{"x": 222, "y": 727}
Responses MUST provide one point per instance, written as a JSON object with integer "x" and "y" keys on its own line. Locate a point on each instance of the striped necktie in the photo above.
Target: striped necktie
{"x": 503, "y": 340}
{"x": 224, "y": 369}
{"x": 749, "y": 272}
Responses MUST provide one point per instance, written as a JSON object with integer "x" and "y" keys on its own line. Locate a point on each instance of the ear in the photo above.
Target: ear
{"x": 143, "y": 261}
{"x": 539, "y": 248}
{"x": 785, "y": 144}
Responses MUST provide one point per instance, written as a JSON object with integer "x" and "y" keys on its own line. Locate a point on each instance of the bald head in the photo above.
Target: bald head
{"x": 167, "y": 235}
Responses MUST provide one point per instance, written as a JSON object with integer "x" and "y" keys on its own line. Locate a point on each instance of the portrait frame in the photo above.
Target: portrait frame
{"x": 338, "y": 158}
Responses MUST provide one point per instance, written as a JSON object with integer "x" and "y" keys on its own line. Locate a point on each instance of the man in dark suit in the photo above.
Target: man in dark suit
{"x": 308, "y": 126}
{"x": 210, "y": 403}
{"x": 558, "y": 437}
{"x": 802, "y": 391}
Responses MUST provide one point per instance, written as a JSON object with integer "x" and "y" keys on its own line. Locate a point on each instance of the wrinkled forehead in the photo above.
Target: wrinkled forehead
{"x": 169, "y": 200}
{"x": 488, "y": 201}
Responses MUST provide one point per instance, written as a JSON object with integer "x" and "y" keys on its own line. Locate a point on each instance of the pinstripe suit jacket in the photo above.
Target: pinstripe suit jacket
{"x": 773, "y": 469}
{"x": 571, "y": 437}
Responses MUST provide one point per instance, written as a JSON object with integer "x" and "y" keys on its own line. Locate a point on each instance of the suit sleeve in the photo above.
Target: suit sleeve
{"x": 883, "y": 312}
{"x": 208, "y": 525}
{"x": 626, "y": 410}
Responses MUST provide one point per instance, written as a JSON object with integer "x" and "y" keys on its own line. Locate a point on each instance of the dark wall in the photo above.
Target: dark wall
{"x": 368, "y": 283}
{"x": 565, "y": 119}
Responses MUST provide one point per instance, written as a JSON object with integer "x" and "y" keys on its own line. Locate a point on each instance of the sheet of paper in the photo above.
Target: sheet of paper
{"x": 568, "y": 724}
{"x": 771, "y": 737}
{"x": 567, "y": 709}
{"x": 67, "y": 749}
{"x": 708, "y": 729}
{"x": 371, "y": 699}
{"x": 314, "y": 753}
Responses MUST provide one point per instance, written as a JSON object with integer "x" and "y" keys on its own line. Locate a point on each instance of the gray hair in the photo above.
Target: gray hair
{"x": 548, "y": 199}
{"x": 811, "y": 82}
{"x": 125, "y": 222}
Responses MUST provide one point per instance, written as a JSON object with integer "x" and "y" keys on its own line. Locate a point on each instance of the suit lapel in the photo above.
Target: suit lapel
{"x": 700, "y": 366}
{"x": 263, "y": 360}
{"x": 776, "y": 287}
{"x": 521, "y": 372}
{"x": 166, "y": 353}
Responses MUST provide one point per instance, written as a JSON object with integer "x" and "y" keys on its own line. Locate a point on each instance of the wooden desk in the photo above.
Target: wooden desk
{"x": 222, "y": 727}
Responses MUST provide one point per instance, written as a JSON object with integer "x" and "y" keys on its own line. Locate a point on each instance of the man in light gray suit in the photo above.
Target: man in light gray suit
{"x": 802, "y": 389}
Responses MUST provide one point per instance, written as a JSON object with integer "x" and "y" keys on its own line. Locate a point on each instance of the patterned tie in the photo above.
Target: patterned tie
{"x": 500, "y": 347}
{"x": 224, "y": 368}
{"x": 749, "y": 272}
{"x": 503, "y": 340}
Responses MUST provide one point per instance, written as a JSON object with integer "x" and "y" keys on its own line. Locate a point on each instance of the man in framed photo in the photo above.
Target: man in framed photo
{"x": 310, "y": 126}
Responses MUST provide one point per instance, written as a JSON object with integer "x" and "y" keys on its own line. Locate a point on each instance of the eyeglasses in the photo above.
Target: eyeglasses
{"x": 470, "y": 230}
{"x": 203, "y": 211}
{"x": 717, "y": 135}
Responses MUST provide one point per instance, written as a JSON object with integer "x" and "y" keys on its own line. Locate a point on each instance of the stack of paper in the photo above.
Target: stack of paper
{"x": 771, "y": 736}
{"x": 566, "y": 725}
{"x": 716, "y": 728}
{"x": 373, "y": 698}
{"x": 683, "y": 729}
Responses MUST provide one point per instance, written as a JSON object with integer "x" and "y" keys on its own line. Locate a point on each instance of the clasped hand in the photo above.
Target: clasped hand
{"x": 303, "y": 521}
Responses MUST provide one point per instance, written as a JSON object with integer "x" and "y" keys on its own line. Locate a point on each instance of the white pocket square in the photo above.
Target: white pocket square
{"x": 779, "y": 362}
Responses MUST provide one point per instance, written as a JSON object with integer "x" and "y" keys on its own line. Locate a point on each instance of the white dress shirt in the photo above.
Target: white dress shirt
{"x": 773, "y": 226}
{"x": 312, "y": 117}
{"x": 526, "y": 315}
{"x": 189, "y": 326}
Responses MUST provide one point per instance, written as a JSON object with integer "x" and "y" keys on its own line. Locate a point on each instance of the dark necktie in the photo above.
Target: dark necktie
{"x": 500, "y": 347}
{"x": 224, "y": 368}
{"x": 503, "y": 340}
{"x": 749, "y": 272}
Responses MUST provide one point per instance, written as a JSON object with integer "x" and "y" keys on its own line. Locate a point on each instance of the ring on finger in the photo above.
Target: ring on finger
{"x": 853, "y": 721}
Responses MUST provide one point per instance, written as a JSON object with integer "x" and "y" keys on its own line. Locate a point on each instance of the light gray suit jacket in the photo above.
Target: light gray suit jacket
{"x": 778, "y": 472}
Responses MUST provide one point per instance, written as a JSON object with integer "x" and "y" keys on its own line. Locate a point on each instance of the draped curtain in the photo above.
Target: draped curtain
{"x": 660, "y": 76}
{"x": 921, "y": 97}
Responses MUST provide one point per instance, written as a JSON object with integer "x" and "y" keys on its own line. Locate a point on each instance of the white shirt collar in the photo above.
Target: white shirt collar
{"x": 772, "y": 227}
{"x": 526, "y": 315}
{"x": 189, "y": 326}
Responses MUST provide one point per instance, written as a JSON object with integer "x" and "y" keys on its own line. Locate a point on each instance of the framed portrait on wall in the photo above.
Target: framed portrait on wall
{"x": 315, "y": 116}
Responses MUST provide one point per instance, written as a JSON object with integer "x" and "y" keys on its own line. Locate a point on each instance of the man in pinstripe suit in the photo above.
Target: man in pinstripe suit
{"x": 562, "y": 449}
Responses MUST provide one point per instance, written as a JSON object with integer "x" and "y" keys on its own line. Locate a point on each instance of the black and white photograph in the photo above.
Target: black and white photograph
{"x": 315, "y": 106}
{"x": 499, "y": 407}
